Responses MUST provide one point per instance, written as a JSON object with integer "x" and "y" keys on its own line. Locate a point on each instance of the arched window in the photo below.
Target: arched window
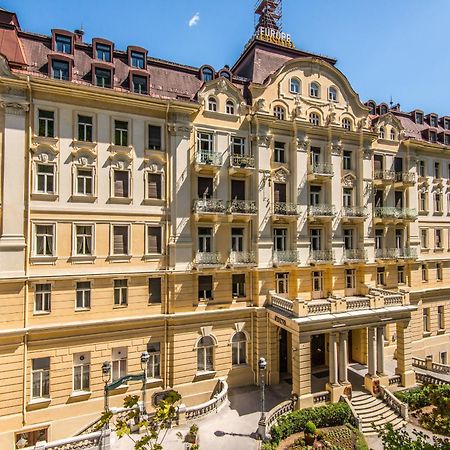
{"x": 239, "y": 348}
{"x": 207, "y": 74}
{"x": 314, "y": 118}
{"x": 225, "y": 74}
{"x": 314, "y": 90}
{"x": 372, "y": 106}
{"x": 212, "y": 104}
{"x": 295, "y": 86}
{"x": 393, "y": 135}
{"x": 383, "y": 109}
{"x": 332, "y": 94}
{"x": 279, "y": 112}
{"x": 230, "y": 107}
{"x": 382, "y": 133}
{"x": 205, "y": 354}
{"x": 347, "y": 124}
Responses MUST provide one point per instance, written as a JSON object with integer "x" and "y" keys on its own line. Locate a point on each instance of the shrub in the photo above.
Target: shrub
{"x": 310, "y": 428}
{"x": 420, "y": 397}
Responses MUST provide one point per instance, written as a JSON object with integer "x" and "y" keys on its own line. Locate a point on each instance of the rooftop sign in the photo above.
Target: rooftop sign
{"x": 274, "y": 36}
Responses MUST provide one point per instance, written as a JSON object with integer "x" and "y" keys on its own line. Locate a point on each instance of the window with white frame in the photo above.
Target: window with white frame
{"x": 332, "y": 94}
{"x": 120, "y": 292}
{"x": 315, "y": 194}
{"x": 63, "y": 43}
{"x": 347, "y": 197}
{"x": 314, "y": 90}
{"x": 154, "y": 290}
{"x": 119, "y": 362}
{"x": 120, "y": 239}
{"x": 42, "y": 298}
{"x": 121, "y": 133}
{"x": 317, "y": 281}
{"x": 154, "y": 186}
{"x": 238, "y": 285}
{"x": 85, "y": 181}
{"x": 315, "y": 239}
{"x": 401, "y": 274}
{"x": 85, "y": 128}
{"x": 121, "y": 183}
{"x": 237, "y": 239}
{"x": 347, "y": 160}
{"x": 212, "y": 104}
{"x": 439, "y": 271}
{"x": 441, "y": 317}
{"x": 399, "y": 238}
{"x": 347, "y": 124}
{"x": 279, "y": 112}
{"x": 239, "y": 348}
{"x": 280, "y": 239}
{"x": 279, "y": 152}
{"x": 83, "y": 295}
{"x": 205, "y": 287}
{"x": 205, "y": 143}
{"x": 379, "y": 237}
{"x": 314, "y": 119}
{"x": 154, "y": 137}
{"x": 205, "y": 354}
{"x": 294, "y": 86}
{"x": 437, "y": 202}
{"x": 238, "y": 145}
{"x": 282, "y": 282}
{"x": 45, "y": 178}
{"x": 229, "y": 107}
{"x": 382, "y": 133}
{"x": 60, "y": 70}
{"x": 424, "y": 269}
{"x": 46, "y": 123}
{"x": 381, "y": 276}
{"x": 44, "y": 239}
{"x": 40, "y": 378}
{"x": 204, "y": 239}
{"x": 154, "y": 361}
{"x": 154, "y": 239}
{"x": 81, "y": 372}
{"x": 421, "y": 168}
{"x": 350, "y": 278}
{"x": 84, "y": 240}
{"x": 348, "y": 239}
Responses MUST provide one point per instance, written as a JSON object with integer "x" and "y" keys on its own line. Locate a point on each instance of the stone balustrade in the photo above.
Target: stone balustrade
{"x": 90, "y": 441}
{"x": 428, "y": 364}
{"x": 321, "y": 397}
{"x": 276, "y": 412}
{"x": 355, "y": 254}
{"x": 396, "y": 253}
{"x": 395, "y": 380}
{"x": 207, "y": 258}
{"x": 393, "y": 402}
{"x": 405, "y": 177}
{"x": 384, "y": 175}
{"x": 321, "y": 256}
{"x": 391, "y": 212}
{"x": 424, "y": 378}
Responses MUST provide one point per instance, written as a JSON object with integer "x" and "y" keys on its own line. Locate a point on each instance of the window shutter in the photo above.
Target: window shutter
{"x": 120, "y": 183}
{"x": 120, "y": 240}
{"x": 154, "y": 185}
{"x": 154, "y": 239}
{"x": 154, "y": 290}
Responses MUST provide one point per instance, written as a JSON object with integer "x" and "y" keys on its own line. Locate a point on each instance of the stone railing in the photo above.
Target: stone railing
{"x": 198, "y": 411}
{"x": 242, "y": 258}
{"x": 92, "y": 441}
{"x": 245, "y": 161}
{"x": 242, "y": 207}
{"x": 358, "y": 303}
{"x": 208, "y": 158}
{"x": 356, "y": 419}
{"x": 396, "y": 253}
{"x": 286, "y": 209}
{"x": 390, "y": 298}
{"x": 321, "y": 397}
{"x": 276, "y": 412}
{"x": 321, "y": 210}
{"x": 319, "y": 307}
{"x": 209, "y": 205}
{"x": 322, "y": 169}
{"x": 321, "y": 256}
{"x": 286, "y": 257}
{"x": 395, "y": 380}
{"x": 354, "y": 211}
{"x": 355, "y": 254}
{"x": 393, "y": 402}
{"x": 391, "y": 212}
{"x": 420, "y": 363}
{"x": 207, "y": 258}
{"x": 424, "y": 378}
{"x": 281, "y": 302}
{"x": 428, "y": 364}
{"x": 405, "y": 177}
{"x": 384, "y": 175}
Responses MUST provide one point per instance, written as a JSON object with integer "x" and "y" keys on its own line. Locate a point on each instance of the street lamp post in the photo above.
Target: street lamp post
{"x": 262, "y": 364}
{"x": 144, "y": 365}
{"x": 106, "y": 377}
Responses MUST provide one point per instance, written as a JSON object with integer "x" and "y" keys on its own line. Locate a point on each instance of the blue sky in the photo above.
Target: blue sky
{"x": 384, "y": 47}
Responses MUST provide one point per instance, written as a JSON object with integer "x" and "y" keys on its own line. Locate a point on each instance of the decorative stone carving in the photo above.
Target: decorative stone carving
{"x": 221, "y": 86}
{"x": 260, "y": 105}
{"x": 265, "y": 140}
{"x": 280, "y": 175}
{"x": 348, "y": 181}
{"x": 367, "y": 153}
{"x": 336, "y": 148}
{"x": 239, "y": 326}
{"x": 361, "y": 124}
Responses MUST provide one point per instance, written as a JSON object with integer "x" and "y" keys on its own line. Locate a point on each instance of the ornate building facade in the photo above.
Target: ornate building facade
{"x": 209, "y": 218}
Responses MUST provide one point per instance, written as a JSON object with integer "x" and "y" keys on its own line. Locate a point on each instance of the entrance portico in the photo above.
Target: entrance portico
{"x": 335, "y": 320}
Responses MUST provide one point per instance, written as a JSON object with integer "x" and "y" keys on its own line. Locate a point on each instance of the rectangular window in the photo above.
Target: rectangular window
{"x": 84, "y": 240}
{"x": 317, "y": 281}
{"x": 314, "y": 195}
{"x": 83, "y": 293}
{"x": 433, "y": 137}
{"x": 282, "y": 283}
{"x": 205, "y": 187}
{"x": 154, "y": 362}
{"x": 154, "y": 186}
{"x": 137, "y": 60}
{"x": 204, "y": 240}
{"x": 381, "y": 280}
{"x": 398, "y": 239}
{"x": 379, "y": 239}
{"x": 45, "y": 174}
{"x": 205, "y": 287}
{"x": 439, "y": 271}
{"x": 154, "y": 290}
{"x": 279, "y": 193}
{"x": 347, "y": 160}
{"x": 280, "y": 239}
{"x": 103, "y": 52}
{"x": 237, "y": 239}
{"x": 119, "y": 363}
{"x": 154, "y": 137}
{"x": 419, "y": 118}
{"x": 422, "y": 201}
{"x": 31, "y": 437}
{"x": 139, "y": 84}
{"x": 120, "y": 239}
{"x": 424, "y": 269}
{"x": 279, "y": 152}
{"x": 347, "y": 197}
{"x": 441, "y": 317}
{"x": 426, "y": 320}
{"x": 63, "y": 44}
{"x": 154, "y": 239}
{"x": 120, "y": 292}
{"x": 46, "y": 123}
{"x": 205, "y": 145}
{"x": 438, "y": 239}
{"x": 348, "y": 239}
{"x": 121, "y": 133}
{"x": 81, "y": 372}
{"x": 424, "y": 238}
{"x": 238, "y": 189}
{"x": 44, "y": 240}
{"x": 401, "y": 274}
{"x": 350, "y": 278}
{"x": 437, "y": 169}
{"x": 238, "y": 145}
{"x": 103, "y": 77}
{"x": 85, "y": 181}
{"x": 238, "y": 289}
{"x": 84, "y": 128}
{"x": 421, "y": 168}
{"x": 42, "y": 298}
{"x": 60, "y": 70}
{"x": 121, "y": 183}
{"x": 315, "y": 239}
{"x": 437, "y": 202}
{"x": 443, "y": 357}
{"x": 40, "y": 378}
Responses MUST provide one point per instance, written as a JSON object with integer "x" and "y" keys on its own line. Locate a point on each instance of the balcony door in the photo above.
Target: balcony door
{"x": 204, "y": 187}
{"x": 279, "y": 193}
{"x": 237, "y": 190}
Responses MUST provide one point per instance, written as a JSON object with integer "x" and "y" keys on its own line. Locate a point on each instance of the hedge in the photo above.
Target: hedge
{"x": 419, "y": 397}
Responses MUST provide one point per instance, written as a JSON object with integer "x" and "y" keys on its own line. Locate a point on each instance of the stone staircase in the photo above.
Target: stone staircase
{"x": 373, "y": 410}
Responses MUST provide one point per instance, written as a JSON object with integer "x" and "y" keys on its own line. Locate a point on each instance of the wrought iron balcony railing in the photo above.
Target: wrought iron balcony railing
{"x": 355, "y": 254}
{"x": 208, "y": 158}
{"x": 321, "y": 256}
{"x": 242, "y": 258}
{"x": 322, "y": 169}
{"x": 286, "y": 257}
{"x": 244, "y": 161}
{"x": 242, "y": 207}
{"x": 384, "y": 175}
{"x": 405, "y": 177}
{"x": 396, "y": 253}
{"x": 209, "y": 205}
{"x": 321, "y": 210}
{"x": 207, "y": 258}
{"x": 354, "y": 211}
{"x": 391, "y": 212}
{"x": 286, "y": 209}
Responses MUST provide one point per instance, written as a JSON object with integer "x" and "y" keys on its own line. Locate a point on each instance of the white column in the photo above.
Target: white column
{"x": 371, "y": 353}
{"x": 380, "y": 350}
{"x": 333, "y": 359}
{"x": 343, "y": 357}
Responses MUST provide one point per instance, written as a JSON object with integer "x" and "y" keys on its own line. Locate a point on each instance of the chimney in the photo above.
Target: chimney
{"x": 79, "y": 35}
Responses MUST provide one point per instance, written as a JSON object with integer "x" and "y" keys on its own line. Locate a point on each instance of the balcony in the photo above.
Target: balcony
{"x": 208, "y": 206}
{"x": 242, "y": 259}
{"x": 396, "y": 253}
{"x": 285, "y": 257}
{"x": 383, "y": 176}
{"x": 286, "y": 210}
{"x": 321, "y": 212}
{"x": 393, "y": 213}
{"x": 405, "y": 178}
{"x": 244, "y": 164}
{"x": 321, "y": 257}
{"x": 208, "y": 161}
{"x": 320, "y": 171}
{"x": 242, "y": 207}
{"x": 355, "y": 255}
{"x": 354, "y": 213}
{"x": 207, "y": 259}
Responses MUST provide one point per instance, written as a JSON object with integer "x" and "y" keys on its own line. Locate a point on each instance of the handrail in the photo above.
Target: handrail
{"x": 198, "y": 411}
{"x": 425, "y": 378}
{"x": 393, "y": 402}
{"x": 356, "y": 418}
{"x": 321, "y": 397}
{"x": 276, "y": 412}
{"x": 281, "y": 302}
{"x": 395, "y": 380}
{"x": 86, "y": 441}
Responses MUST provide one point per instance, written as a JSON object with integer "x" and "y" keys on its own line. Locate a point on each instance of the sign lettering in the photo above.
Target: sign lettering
{"x": 280, "y": 320}
{"x": 274, "y": 36}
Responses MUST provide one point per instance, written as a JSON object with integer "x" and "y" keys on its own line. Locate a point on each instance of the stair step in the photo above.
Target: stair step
{"x": 366, "y": 401}
{"x": 369, "y": 406}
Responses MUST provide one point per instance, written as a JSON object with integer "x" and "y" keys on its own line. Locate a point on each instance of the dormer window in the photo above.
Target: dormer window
{"x": 60, "y": 70}
{"x": 137, "y": 60}
{"x": 225, "y": 74}
{"x": 279, "y": 112}
{"x": 314, "y": 90}
{"x": 212, "y": 104}
{"x": 418, "y": 118}
{"x": 447, "y": 139}
{"x": 372, "y": 106}
{"x": 139, "y": 84}
{"x": 393, "y": 135}
{"x": 207, "y": 74}
{"x": 447, "y": 124}
{"x": 433, "y": 137}
{"x": 230, "y": 107}
{"x": 433, "y": 121}
{"x": 103, "y": 52}
{"x": 63, "y": 44}
{"x": 103, "y": 77}
{"x": 332, "y": 95}
{"x": 382, "y": 133}
{"x": 383, "y": 109}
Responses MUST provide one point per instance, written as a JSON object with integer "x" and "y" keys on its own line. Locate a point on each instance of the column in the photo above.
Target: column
{"x": 333, "y": 359}
{"x": 343, "y": 357}
{"x": 380, "y": 350}
{"x": 404, "y": 354}
{"x": 301, "y": 370}
{"x": 371, "y": 354}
